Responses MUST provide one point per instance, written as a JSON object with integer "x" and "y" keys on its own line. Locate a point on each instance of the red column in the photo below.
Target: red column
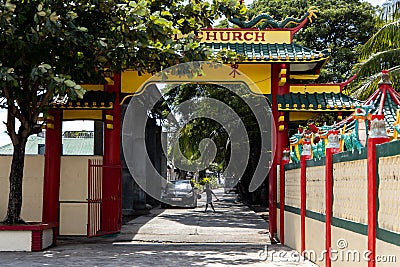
{"x": 372, "y": 195}
{"x": 53, "y": 150}
{"x": 112, "y": 127}
{"x": 306, "y": 155}
{"x": 111, "y": 220}
{"x": 303, "y": 170}
{"x": 328, "y": 200}
{"x": 281, "y": 140}
{"x": 285, "y": 160}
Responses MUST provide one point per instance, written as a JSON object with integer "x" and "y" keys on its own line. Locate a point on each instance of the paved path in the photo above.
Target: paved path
{"x": 234, "y": 236}
{"x": 232, "y": 223}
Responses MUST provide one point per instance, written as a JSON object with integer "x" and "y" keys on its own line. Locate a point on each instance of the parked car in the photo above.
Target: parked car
{"x": 230, "y": 185}
{"x": 180, "y": 193}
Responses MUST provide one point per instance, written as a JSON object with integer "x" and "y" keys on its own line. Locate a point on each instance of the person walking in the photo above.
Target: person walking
{"x": 209, "y": 194}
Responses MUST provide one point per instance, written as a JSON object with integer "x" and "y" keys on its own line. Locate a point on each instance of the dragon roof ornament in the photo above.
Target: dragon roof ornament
{"x": 269, "y": 22}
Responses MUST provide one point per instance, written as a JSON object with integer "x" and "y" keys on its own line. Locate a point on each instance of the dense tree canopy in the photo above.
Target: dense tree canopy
{"x": 49, "y": 47}
{"x": 341, "y": 26}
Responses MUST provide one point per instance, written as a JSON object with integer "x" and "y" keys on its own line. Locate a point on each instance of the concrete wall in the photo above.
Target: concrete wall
{"x": 350, "y": 190}
{"x": 389, "y": 254}
{"x": 32, "y": 191}
{"x": 292, "y": 230}
{"x": 73, "y": 191}
{"x": 315, "y": 241}
{"x": 350, "y": 206}
{"x": 346, "y": 242}
{"x": 74, "y": 194}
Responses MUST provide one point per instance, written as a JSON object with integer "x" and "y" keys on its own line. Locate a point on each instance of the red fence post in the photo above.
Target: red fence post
{"x": 377, "y": 136}
{"x": 285, "y": 160}
{"x": 306, "y": 154}
{"x": 332, "y": 148}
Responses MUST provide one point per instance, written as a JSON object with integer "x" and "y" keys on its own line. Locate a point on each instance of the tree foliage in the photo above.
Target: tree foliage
{"x": 381, "y": 51}
{"x": 341, "y": 26}
{"x": 49, "y": 47}
{"x": 201, "y": 128}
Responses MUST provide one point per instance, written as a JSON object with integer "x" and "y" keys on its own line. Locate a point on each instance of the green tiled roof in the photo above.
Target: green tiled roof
{"x": 70, "y": 146}
{"x": 389, "y": 106}
{"x": 316, "y": 102}
{"x": 273, "y": 52}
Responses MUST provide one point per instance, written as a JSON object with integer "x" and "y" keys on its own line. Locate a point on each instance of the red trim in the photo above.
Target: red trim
{"x": 303, "y": 196}
{"x": 382, "y": 103}
{"x": 343, "y": 84}
{"x": 37, "y": 240}
{"x": 282, "y": 201}
{"x": 393, "y": 95}
{"x": 372, "y": 97}
{"x": 34, "y": 226}
{"x": 372, "y": 196}
{"x": 294, "y": 30}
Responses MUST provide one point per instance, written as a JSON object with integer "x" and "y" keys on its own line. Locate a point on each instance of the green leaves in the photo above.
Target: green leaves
{"x": 340, "y": 25}
{"x": 381, "y": 51}
{"x": 55, "y": 45}
{"x": 386, "y": 38}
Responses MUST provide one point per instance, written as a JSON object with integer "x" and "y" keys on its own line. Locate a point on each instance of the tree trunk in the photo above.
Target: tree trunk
{"x": 16, "y": 175}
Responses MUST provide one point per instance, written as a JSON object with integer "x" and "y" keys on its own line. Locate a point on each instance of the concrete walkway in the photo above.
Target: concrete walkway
{"x": 232, "y": 223}
{"x": 234, "y": 236}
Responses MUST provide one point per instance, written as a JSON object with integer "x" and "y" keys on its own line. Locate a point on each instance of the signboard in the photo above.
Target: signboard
{"x": 255, "y": 36}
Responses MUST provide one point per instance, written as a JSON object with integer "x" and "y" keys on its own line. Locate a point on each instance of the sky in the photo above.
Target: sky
{"x": 84, "y": 125}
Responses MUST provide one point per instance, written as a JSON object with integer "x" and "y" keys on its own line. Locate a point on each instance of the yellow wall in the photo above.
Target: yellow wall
{"x": 32, "y": 191}
{"x": 314, "y": 89}
{"x": 93, "y": 87}
{"x": 301, "y": 116}
{"x": 131, "y": 81}
{"x": 259, "y": 74}
{"x": 256, "y": 76}
{"x": 76, "y": 114}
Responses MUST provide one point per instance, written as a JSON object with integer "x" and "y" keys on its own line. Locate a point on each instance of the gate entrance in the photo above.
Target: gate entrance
{"x": 104, "y": 199}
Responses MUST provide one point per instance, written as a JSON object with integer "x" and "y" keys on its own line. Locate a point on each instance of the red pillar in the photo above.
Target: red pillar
{"x": 373, "y": 192}
{"x": 277, "y": 75}
{"x": 53, "y": 150}
{"x": 112, "y": 205}
{"x": 285, "y": 160}
{"x": 112, "y": 127}
{"x": 306, "y": 155}
{"x": 328, "y": 200}
{"x": 303, "y": 170}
